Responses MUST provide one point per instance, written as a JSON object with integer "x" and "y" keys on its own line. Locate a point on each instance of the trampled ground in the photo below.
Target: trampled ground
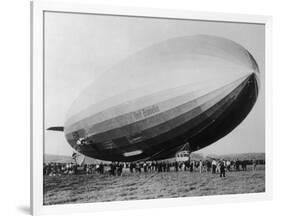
{"x": 135, "y": 186}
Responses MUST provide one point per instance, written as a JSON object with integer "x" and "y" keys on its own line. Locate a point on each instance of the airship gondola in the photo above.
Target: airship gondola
{"x": 183, "y": 92}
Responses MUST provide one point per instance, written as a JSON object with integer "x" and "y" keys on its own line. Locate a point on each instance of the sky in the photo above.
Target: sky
{"x": 79, "y": 48}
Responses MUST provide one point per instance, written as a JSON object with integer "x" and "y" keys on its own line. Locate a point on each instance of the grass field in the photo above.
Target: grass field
{"x": 133, "y": 186}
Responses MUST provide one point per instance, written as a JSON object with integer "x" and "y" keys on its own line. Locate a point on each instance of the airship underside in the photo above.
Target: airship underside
{"x": 196, "y": 92}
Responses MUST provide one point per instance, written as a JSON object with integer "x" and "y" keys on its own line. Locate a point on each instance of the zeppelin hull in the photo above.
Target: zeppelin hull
{"x": 191, "y": 90}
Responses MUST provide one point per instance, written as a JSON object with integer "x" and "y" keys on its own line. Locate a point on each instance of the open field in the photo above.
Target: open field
{"x": 135, "y": 186}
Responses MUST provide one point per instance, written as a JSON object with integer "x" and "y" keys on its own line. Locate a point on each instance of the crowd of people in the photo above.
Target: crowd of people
{"x": 215, "y": 166}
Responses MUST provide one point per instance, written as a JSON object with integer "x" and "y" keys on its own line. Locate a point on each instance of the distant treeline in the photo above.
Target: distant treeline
{"x": 244, "y": 156}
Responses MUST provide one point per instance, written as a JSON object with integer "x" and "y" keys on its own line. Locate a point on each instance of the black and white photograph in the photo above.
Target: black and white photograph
{"x": 140, "y": 108}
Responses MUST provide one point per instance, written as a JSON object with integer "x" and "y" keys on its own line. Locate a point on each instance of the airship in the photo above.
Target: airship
{"x": 185, "y": 92}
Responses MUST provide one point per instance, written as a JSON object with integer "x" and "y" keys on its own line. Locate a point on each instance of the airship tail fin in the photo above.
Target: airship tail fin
{"x": 56, "y": 128}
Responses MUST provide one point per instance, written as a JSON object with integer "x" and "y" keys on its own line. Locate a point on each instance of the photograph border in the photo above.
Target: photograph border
{"x": 38, "y": 8}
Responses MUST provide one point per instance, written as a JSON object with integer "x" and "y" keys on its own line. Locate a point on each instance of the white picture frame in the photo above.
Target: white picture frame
{"x": 38, "y": 8}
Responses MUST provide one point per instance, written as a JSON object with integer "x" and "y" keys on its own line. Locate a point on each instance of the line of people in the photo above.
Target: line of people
{"x": 117, "y": 168}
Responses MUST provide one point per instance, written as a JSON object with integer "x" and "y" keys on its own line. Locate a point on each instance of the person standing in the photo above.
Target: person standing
{"x": 101, "y": 168}
{"x": 209, "y": 165}
{"x": 144, "y": 167}
{"x": 254, "y": 165}
{"x": 218, "y": 170}
{"x": 214, "y": 166}
{"x": 200, "y": 166}
{"x": 222, "y": 169}
{"x": 176, "y": 166}
{"x": 228, "y": 164}
{"x": 237, "y": 165}
{"x": 131, "y": 167}
{"x": 191, "y": 166}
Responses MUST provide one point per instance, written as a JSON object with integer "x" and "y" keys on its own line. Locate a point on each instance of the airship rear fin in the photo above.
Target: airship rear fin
{"x": 56, "y": 128}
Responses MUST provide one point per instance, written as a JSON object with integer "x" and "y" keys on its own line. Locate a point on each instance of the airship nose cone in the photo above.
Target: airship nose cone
{"x": 256, "y": 72}
{"x": 256, "y": 83}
